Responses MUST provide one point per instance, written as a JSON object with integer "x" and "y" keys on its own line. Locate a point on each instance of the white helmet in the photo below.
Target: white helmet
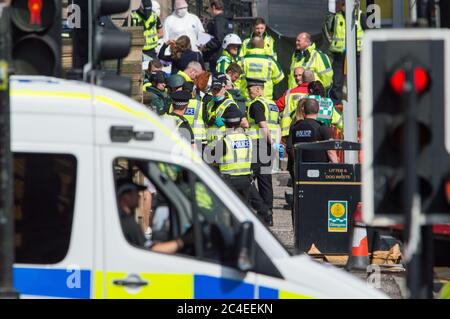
{"x": 231, "y": 39}
{"x": 156, "y": 7}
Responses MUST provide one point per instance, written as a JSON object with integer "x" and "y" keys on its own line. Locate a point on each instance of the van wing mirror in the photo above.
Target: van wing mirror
{"x": 245, "y": 247}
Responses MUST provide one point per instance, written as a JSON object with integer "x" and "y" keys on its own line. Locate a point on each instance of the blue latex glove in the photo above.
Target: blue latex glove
{"x": 280, "y": 149}
{"x": 220, "y": 121}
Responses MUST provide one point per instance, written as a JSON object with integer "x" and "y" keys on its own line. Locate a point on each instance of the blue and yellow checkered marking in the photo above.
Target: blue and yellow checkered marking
{"x": 61, "y": 283}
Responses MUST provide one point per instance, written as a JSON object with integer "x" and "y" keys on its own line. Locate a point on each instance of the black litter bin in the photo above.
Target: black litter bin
{"x": 325, "y": 199}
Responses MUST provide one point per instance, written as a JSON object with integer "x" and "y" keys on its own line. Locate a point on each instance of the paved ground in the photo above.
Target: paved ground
{"x": 393, "y": 284}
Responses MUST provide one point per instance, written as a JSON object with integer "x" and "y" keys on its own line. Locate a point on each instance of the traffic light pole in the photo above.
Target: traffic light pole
{"x": 419, "y": 238}
{"x": 411, "y": 197}
{"x": 6, "y": 185}
{"x": 351, "y": 109}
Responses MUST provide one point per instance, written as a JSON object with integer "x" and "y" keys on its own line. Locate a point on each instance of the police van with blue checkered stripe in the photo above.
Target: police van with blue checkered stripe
{"x": 72, "y": 141}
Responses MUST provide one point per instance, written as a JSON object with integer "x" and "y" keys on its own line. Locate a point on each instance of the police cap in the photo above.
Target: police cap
{"x": 188, "y": 86}
{"x": 232, "y": 115}
{"x": 255, "y": 82}
{"x": 180, "y": 98}
{"x": 219, "y": 81}
{"x": 147, "y": 4}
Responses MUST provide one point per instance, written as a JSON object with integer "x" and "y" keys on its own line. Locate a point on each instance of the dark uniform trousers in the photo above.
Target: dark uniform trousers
{"x": 336, "y": 93}
{"x": 262, "y": 199}
{"x": 241, "y": 184}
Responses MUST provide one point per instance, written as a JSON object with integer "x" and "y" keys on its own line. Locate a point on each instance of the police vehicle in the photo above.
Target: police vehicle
{"x": 71, "y": 142}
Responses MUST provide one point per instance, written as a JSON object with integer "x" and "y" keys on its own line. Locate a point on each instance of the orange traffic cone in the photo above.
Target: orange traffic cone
{"x": 359, "y": 258}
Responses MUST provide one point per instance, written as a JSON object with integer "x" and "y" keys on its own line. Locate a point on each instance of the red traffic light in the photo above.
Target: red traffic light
{"x": 35, "y": 8}
{"x": 421, "y": 79}
{"x": 398, "y": 79}
{"x": 35, "y": 15}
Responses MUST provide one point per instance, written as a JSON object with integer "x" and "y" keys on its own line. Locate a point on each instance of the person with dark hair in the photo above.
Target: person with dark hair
{"x": 157, "y": 89}
{"x": 219, "y": 27}
{"x": 128, "y": 201}
{"x": 148, "y": 19}
{"x": 309, "y": 129}
{"x": 234, "y": 85}
{"x": 233, "y": 71}
{"x": 181, "y": 54}
{"x": 260, "y": 30}
{"x": 328, "y": 114}
{"x": 153, "y": 67}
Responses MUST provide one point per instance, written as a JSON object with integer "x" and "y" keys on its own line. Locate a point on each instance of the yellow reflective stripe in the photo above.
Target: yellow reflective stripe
{"x": 99, "y": 285}
{"x": 283, "y": 294}
{"x": 325, "y": 71}
{"x": 110, "y": 102}
{"x": 160, "y": 286}
{"x": 329, "y": 183}
{"x": 71, "y": 95}
{"x": 145, "y": 116}
{"x": 269, "y": 73}
{"x": 312, "y": 60}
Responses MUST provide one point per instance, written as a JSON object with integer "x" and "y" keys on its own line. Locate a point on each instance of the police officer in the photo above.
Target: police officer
{"x": 156, "y": 87}
{"x": 234, "y": 151}
{"x": 307, "y": 56}
{"x": 196, "y": 115}
{"x": 309, "y": 129}
{"x": 217, "y": 106}
{"x": 256, "y": 64}
{"x": 180, "y": 102}
{"x": 334, "y": 30}
{"x": 148, "y": 19}
{"x": 259, "y": 30}
{"x": 263, "y": 118}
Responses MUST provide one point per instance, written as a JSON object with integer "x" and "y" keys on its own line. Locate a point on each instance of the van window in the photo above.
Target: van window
{"x": 44, "y": 195}
{"x": 169, "y": 213}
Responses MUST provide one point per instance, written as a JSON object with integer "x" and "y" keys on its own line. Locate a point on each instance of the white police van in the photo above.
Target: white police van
{"x": 71, "y": 142}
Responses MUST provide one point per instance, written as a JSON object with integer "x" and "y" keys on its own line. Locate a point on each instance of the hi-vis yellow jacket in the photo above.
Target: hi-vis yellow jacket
{"x": 314, "y": 60}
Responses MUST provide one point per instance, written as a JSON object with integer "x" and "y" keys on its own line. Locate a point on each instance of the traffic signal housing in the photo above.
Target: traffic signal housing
{"x": 36, "y": 37}
{"x": 108, "y": 43}
{"x": 386, "y": 101}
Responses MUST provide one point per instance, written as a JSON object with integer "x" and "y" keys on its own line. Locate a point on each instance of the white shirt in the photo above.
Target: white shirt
{"x": 189, "y": 25}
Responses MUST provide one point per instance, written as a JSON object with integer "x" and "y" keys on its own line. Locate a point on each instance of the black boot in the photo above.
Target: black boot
{"x": 269, "y": 219}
